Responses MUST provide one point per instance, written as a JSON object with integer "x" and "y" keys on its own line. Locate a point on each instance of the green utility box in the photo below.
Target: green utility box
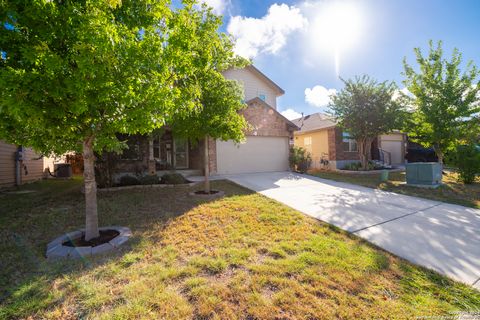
{"x": 424, "y": 173}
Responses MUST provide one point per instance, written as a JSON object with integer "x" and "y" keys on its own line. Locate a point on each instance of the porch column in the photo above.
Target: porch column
{"x": 151, "y": 159}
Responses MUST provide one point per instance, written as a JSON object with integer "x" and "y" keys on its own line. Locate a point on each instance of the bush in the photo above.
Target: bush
{"x": 129, "y": 181}
{"x": 467, "y": 160}
{"x": 354, "y": 166}
{"x": 150, "y": 179}
{"x": 300, "y": 159}
{"x": 173, "y": 178}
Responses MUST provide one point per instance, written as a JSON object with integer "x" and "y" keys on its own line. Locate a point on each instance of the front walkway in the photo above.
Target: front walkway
{"x": 439, "y": 236}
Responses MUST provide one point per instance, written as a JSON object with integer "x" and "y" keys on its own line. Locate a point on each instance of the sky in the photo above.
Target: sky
{"x": 307, "y": 46}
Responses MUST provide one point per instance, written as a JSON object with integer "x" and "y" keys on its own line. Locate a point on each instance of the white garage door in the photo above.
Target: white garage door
{"x": 257, "y": 154}
{"x": 395, "y": 149}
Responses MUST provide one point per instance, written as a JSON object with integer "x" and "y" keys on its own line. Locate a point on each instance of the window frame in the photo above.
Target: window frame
{"x": 352, "y": 143}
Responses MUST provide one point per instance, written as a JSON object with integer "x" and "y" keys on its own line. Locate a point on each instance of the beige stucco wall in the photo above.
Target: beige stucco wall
{"x": 318, "y": 147}
{"x": 253, "y": 85}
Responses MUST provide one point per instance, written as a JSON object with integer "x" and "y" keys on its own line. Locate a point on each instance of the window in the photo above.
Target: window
{"x": 132, "y": 151}
{"x": 349, "y": 144}
{"x": 307, "y": 143}
{"x": 262, "y": 96}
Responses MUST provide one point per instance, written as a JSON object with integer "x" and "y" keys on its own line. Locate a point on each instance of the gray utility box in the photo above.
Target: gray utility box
{"x": 424, "y": 173}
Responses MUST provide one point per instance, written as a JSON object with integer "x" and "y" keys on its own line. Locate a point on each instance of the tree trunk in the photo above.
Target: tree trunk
{"x": 439, "y": 153}
{"x": 364, "y": 146}
{"x": 91, "y": 215}
{"x": 207, "y": 168}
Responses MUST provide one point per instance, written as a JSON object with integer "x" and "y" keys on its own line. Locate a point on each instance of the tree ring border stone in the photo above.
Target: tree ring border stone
{"x": 56, "y": 249}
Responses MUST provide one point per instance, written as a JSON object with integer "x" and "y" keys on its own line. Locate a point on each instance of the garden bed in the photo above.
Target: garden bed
{"x": 74, "y": 245}
{"x": 128, "y": 182}
{"x": 373, "y": 171}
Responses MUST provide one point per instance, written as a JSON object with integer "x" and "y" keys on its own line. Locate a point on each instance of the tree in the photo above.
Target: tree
{"x": 74, "y": 74}
{"x": 366, "y": 109}
{"x": 445, "y": 99}
{"x": 216, "y": 115}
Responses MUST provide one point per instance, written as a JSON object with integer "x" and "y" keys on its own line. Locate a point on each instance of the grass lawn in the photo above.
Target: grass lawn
{"x": 451, "y": 191}
{"x": 241, "y": 257}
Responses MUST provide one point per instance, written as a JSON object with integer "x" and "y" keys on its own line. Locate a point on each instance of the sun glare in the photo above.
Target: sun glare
{"x": 336, "y": 28}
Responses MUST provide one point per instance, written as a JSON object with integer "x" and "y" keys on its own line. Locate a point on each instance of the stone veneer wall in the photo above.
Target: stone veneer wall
{"x": 265, "y": 121}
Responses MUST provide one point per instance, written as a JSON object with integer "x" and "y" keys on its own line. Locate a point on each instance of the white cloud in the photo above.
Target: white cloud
{"x": 267, "y": 34}
{"x": 291, "y": 114}
{"x": 319, "y": 96}
{"x": 398, "y": 93}
{"x": 219, "y": 6}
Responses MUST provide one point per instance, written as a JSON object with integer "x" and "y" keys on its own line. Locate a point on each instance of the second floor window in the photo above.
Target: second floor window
{"x": 349, "y": 144}
{"x": 262, "y": 96}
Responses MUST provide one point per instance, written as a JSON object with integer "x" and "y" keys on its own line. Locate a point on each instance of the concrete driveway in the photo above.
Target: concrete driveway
{"x": 439, "y": 236}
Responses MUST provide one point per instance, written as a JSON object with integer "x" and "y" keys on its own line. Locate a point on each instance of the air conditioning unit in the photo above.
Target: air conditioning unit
{"x": 424, "y": 173}
{"x": 63, "y": 170}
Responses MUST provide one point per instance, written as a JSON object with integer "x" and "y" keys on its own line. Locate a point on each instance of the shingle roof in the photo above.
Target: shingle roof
{"x": 314, "y": 121}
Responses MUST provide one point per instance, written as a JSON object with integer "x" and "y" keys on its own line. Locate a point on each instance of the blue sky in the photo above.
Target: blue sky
{"x": 295, "y": 42}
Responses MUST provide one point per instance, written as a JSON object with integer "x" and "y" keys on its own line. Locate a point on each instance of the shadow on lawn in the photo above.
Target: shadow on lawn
{"x": 29, "y": 221}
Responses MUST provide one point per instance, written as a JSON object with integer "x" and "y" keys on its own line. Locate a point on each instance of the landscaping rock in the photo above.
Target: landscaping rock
{"x": 57, "y": 249}
{"x": 118, "y": 241}
{"x": 102, "y": 248}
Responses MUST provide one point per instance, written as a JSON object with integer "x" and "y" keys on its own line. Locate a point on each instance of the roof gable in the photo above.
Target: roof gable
{"x": 265, "y": 79}
{"x": 315, "y": 121}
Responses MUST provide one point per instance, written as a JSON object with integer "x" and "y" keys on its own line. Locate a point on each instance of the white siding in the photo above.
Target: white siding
{"x": 31, "y": 170}
{"x": 253, "y": 85}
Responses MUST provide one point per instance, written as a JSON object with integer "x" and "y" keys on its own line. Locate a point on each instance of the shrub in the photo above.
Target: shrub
{"x": 129, "y": 181}
{"x": 354, "y": 166}
{"x": 173, "y": 178}
{"x": 467, "y": 160}
{"x": 300, "y": 159}
{"x": 150, "y": 179}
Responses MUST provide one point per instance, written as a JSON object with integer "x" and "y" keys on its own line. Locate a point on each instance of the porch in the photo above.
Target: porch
{"x": 158, "y": 153}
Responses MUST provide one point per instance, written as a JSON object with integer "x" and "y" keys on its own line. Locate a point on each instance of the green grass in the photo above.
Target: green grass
{"x": 240, "y": 257}
{"x": 452, "y": 190}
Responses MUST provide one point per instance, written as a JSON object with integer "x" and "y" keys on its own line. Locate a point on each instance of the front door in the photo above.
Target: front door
{"x": 181, "y": 153}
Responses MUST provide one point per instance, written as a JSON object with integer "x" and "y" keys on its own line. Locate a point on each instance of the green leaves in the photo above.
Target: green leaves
{"x": 215, "y": 102}
{"x": 445, "y": 99}
{"x": 366, "y": 108}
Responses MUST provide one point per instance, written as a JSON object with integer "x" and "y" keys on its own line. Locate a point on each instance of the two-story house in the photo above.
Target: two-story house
{"x": 266, "y": 147}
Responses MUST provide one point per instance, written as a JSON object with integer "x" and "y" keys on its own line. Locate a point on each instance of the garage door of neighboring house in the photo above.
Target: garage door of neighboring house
{"x": 394, "y": 144}
{"x": 257, "y": 154}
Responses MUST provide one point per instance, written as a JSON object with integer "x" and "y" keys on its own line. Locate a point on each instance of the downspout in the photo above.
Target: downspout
{"x": 18, "y": 166}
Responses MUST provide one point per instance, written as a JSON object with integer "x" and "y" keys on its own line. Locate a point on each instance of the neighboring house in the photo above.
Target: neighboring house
{"x": 326, "y": 142}
{"x": 19, "y": 165}
{"x": 266, "y": 147}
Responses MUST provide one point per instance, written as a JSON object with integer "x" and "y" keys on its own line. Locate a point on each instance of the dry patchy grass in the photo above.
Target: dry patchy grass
{"x": 241, "y": 257}
{"x": 452, "y": 190}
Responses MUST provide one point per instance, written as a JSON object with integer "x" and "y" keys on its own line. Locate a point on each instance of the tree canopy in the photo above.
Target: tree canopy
{"x": 445, "y": 100}
{"x": 365, "y": 109}
{"x": 74, "y": 74}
